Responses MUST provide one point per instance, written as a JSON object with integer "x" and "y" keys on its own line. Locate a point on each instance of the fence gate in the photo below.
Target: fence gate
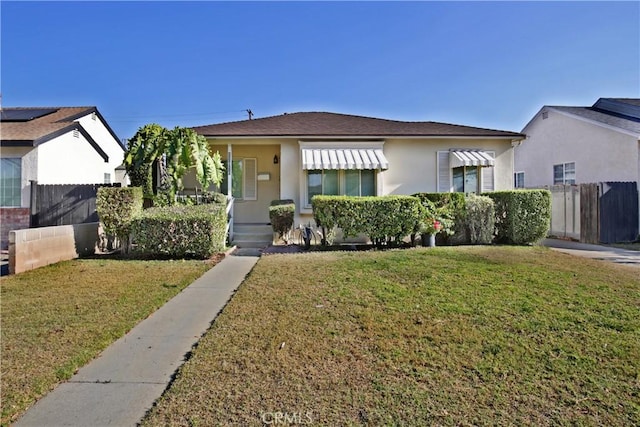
{"x": 64, "y": 204}
{"x": 618, "y": 212}
{"x": 589, "y": 214}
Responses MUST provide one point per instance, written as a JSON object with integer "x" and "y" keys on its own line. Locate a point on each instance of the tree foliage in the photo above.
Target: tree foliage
{"x": 176, "y": 151}
{"x": 143, "y": 151}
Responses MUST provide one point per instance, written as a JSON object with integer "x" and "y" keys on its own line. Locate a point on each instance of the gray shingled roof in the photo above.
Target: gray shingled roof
{"x": 323, "y": 124}
{"x": 627, "y": 124}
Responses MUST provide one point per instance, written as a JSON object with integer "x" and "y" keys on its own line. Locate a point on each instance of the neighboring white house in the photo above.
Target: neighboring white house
{"x": 58, "y": 145}
{"x": 583, "y": 145}
{"x": 578, "y": 145}
{"x": 298, "y": 155}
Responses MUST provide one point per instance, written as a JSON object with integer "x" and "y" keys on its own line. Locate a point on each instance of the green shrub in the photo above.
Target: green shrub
{"x": 116, "y": 207}
{"x": 450, "y": 211}
{"x": 522, "y": 216}
{"x": 383, "y": 219}
{"x": 480, "y": 219}
{"x": 180, "y": 231}
{"x": 281, "y": 214}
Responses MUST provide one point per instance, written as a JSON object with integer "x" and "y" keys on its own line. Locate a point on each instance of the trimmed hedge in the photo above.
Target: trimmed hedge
{"x": 480, "y": 219}
{"x": 383, "y": 219}
{"x": 116, "y": 207}
{"x": 281, "y": 214}
{"x": 180, "y": 231}
{"x": 522, "y": 216}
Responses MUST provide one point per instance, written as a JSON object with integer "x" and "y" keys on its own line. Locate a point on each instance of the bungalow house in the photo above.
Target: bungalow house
{"x": 298, "y": 155}
{"x": 59, "y": 145}
{"x": 581, "y": 145}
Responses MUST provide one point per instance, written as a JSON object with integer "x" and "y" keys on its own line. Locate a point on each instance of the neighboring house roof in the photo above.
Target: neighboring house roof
{"x": 32, "y": 126}
{"x": 621, "y": 114}
{"x": 323, "y": 124}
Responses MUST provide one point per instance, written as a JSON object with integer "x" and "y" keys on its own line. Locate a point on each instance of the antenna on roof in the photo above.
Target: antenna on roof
{"x": 250, "y": 113}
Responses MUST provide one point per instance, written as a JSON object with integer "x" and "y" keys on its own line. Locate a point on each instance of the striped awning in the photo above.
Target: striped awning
{"x": 343, "y": 158}
{"x": 470, "y": 158}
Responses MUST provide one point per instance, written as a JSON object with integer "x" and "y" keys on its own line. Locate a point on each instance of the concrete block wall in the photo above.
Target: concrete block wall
{"x": 12, "y": 219}
{"x": 37, "y": 247}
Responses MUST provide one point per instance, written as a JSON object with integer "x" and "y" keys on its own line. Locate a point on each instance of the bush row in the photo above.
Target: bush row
{"x": 178, "y": 231}
{"x": 509, "y": 217}
{"x": 522, "y": 216}
{"x": 383, "y": 219}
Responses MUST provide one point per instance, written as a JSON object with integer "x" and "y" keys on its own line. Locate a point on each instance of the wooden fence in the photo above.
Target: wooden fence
{"x": 605, "y": 212}
{"x": 65, "y": 204}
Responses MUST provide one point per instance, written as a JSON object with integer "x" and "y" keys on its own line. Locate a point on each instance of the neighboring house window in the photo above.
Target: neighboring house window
{"x": 107, "y": 178}
{"x": 564, "y": 173}
{"x": 348, "y": 182}
{"x": 10, "y": 182}
{"x": 463, "y": 179}
{"x": 243, "y": 179}
{"x": 518, "y": 180}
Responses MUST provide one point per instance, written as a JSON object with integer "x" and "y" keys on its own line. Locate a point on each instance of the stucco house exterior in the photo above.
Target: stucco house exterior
{"x": 298, "y": 155}
{"x": 597, "y": 144}
{"x": 52, "y": 145}
{"x": 577, "y": 145}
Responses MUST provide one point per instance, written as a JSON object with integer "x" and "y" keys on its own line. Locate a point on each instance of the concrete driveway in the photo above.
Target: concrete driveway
{"x": 605, "y": 253}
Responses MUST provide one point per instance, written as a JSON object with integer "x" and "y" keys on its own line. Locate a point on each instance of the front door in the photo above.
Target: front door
{"x": 256, "y": 181}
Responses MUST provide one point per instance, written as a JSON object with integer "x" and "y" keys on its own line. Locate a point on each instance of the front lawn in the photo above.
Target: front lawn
{"x": 444, "y": 336}
{"x": 57, "y": 318}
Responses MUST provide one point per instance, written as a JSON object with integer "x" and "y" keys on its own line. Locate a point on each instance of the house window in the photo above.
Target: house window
{"x": 243, "y": 179}
{"x": 564, "y": 173}
{"x": 10, "y": 182}
{"x": 347, "y": 182}
{"x": 465, "y": 171}
{"x": 518, "y": 180}
{"x": 465, "y": 179}
{"x": 107, "y": 178}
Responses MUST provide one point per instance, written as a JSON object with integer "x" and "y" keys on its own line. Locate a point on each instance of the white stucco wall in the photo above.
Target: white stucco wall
{"x": 600, "y": 154}
{"x": 97, "y": 129}
{"x": 413, "y": 164}
{"x": 70, "y": 159}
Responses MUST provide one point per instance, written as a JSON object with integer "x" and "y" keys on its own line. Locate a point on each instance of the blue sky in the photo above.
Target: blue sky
{"x": 486, "y": 64}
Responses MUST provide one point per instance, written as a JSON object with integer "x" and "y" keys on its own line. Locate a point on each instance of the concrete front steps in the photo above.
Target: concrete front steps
{"x": 252, "y": 235}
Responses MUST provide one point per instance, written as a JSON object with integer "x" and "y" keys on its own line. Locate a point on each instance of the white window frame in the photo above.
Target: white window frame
{"x": 564, "y": 173}
{"x": 341, "y": 182}
{"x": 13, "y": 189}
{"x": 444, "y": 174}
{"x": 515, "y": 179}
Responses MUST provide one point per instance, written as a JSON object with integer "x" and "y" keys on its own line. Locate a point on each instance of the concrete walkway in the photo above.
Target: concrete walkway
{"x": 120, "y": 385}
{"x": 605, "y": 253}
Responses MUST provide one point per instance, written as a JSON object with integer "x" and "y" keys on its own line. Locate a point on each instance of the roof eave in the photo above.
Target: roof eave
{"x": 517, "y": 136}
{"x": 596, "y": 122}
{"x": 104, "y": 122}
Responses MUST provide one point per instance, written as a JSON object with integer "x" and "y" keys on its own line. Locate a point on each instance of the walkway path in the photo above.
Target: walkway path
{"x": 605, "y": 253}
{"x": 120, "y": 385}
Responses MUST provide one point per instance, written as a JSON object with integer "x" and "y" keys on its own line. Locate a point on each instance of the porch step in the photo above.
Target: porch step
{"x": 252, "y": 235}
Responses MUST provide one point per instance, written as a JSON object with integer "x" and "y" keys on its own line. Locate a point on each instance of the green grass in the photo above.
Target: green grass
{"x": 57, "y": 318}
{"x": 444, "y": 336}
